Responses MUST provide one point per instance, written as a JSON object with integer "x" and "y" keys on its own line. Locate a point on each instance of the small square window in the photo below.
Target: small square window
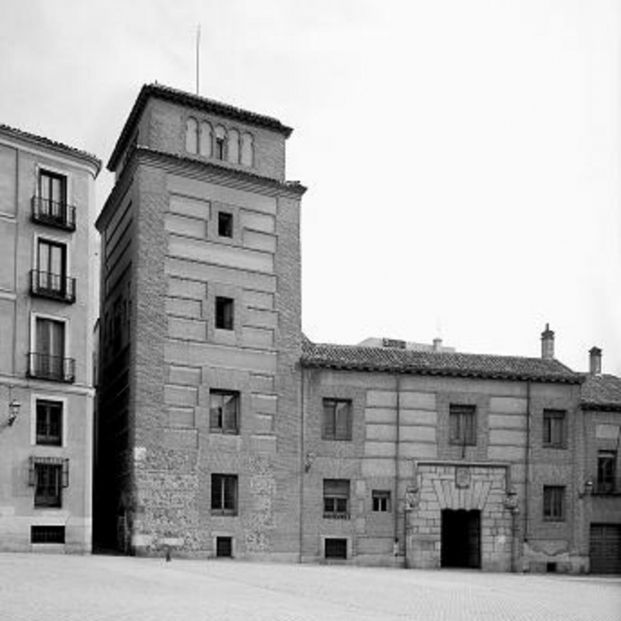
{"x": 554, "y": 428}
{"x": 224, "y": 494}
{"x": 336, "y": 419}
{"x": 381, "y": 500}
{"x": 224, "y": 547}
{"x": 224, "y": 313}
{"x": 224, "y": 411}
{"x": 463, "y": 425}
{"x": 335, "y": 548}
{"x": 554, "y": 503}
{"x": 225, "y": 224}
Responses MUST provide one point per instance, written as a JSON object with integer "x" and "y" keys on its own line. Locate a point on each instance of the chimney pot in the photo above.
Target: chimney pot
{"x": 595, "y": 361}
{"x": 547, "y": 343}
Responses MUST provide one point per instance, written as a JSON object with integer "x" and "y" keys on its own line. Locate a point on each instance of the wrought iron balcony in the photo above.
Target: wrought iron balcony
{"x": 52, "y": 286}
{"x": 54, "y": 368}
{"x": 53, "y": 213}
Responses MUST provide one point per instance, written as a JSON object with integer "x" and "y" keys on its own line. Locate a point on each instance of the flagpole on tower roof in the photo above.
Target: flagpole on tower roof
{"x": 198, "y": 45}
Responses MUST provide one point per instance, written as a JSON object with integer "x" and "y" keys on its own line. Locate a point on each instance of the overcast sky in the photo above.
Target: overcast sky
{"x": 462, "y": 156}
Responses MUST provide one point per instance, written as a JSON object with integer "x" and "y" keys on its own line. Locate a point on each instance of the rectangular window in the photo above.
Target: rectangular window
{"x": 51, "y": 273}
{"x": 224, "y": 494}
{"x": 49, "y": 422}
{"x": 47, "y": 534}
{"x": 335, "y": 548}
{"x": 48, "y": 358}
{"x": 48, "y": 485}
{"x": 225, "y": 224}
{"x": 554, "y": 503}
{"x": 381, "y": 500}
{"x": 463, "y": 425}
{"x": 224, "y": 411}
{"x": 224, "y": 313}
{"x": 53, "y": 189}
{"x": 336, "y": 499}
{"x": 606, "y": 471}
{"x": 336, "y": 419}
{"x": 554, "y": 428}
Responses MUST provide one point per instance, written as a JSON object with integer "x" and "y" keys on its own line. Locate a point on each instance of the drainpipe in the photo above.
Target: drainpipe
{"x": 302, "y": 463}
{"x": 527, "y": 462}
{"x": 397, "y": 446}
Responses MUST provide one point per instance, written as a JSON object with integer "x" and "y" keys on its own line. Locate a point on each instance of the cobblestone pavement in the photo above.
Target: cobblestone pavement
{"x": 93, "y": 588}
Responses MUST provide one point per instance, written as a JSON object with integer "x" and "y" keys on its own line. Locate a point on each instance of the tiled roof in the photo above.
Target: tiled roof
{"x": 601, "y": 392}
{"x": 354, "y": 357}
{"x": 51, "y": 144}
{"x": 195, "y": 101}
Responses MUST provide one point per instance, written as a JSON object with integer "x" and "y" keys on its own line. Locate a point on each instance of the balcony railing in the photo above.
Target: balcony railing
{"x": 52, "y": 286}
{"x": 54, "y": 368}
{"x": 53, "y": 213}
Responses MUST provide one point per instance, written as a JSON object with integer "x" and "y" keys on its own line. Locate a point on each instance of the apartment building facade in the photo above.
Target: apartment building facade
{"x": 601, "y": 485}
{"x": 46, "y": 207}
{"x": 223, "y": 432}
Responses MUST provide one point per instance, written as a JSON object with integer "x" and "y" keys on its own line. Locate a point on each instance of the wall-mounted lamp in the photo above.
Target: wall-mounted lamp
{"x": 14, "y": 406}
{"x": 588, "y": 489}
{"x": 308, "y": 462}
{"x": 511, "y": 501}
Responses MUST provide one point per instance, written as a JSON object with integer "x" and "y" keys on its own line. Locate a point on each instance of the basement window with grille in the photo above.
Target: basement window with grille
{"x": 47, "y": 534}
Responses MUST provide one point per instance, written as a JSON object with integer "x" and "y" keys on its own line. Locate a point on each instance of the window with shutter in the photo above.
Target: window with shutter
{"x": 337, "y": 419}
{"x": 463, "y": 425}
{"x": 336, "y": 499}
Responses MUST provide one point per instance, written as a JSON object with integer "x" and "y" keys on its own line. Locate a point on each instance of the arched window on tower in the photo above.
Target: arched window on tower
{"x": 220, "y": 142}
{"x": 247, "y": 149}
{"x": 205, "y": 139}
{"x": 191, "y": 135}
{"x": 233, "y": 146}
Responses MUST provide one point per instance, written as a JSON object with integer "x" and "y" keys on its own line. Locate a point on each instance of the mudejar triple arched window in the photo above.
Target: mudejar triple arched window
{"x": 230, "y": 145}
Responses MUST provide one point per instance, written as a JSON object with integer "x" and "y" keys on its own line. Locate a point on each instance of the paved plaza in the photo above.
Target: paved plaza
{"x": 92, "y": 588}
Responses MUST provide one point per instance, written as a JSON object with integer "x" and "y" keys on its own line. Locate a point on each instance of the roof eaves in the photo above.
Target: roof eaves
{"x": 48, "y": 143}
{"x": 289, "y": 186}
{"x": 444, "y": 372}
{"x": 602, "y": 407}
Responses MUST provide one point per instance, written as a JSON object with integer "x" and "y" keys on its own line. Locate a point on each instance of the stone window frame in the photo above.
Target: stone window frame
{"x": 384, "y": 501}
{"x": 36, "y": 397}
{"x": 548, "y": 440}
{"x": 446, "y": 450}
{"x": 554, "y": 503}
{"x": 212, "y": 226}
{"x": 233, "y": 380}
{"x": 469, "y": 431}
{"x": 222, "y": 427}
{"x": 334, "y": 509}
{"x": 606, "y": 482}
{"x": 334, "y": 435}
{"x": 348, "y": 553}
{"x": 226, "y": 479}
{"x": 224, "y": 313}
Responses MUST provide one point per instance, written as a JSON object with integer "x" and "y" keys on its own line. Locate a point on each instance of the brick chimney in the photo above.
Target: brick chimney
{"x": 437, "y": 344}
{"x": 595, "y": 361}
{"x": 547, "y": 343}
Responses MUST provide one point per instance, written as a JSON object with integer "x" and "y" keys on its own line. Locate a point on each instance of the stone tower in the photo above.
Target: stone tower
{"x": 198, "y": 411}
